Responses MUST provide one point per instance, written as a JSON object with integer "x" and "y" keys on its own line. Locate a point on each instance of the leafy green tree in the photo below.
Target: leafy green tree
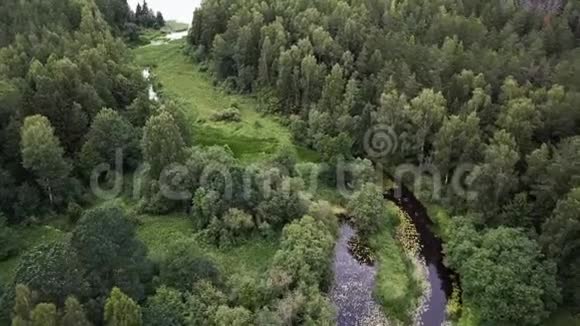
{"x": 496, "y": 178}
{"x": 551, "y": 178}
{"x": 162, "y": 143}
{"x": 520, "y": 118}
{"x": 286, "y": 159}
{"x": 459, "y": 141}
{"x": 52, "y": 271}
{"x": 311, "y": 80}
{"x": 509, "y": 279}
{"x": 121, "y": 310}
{"x": 23, "y": 305}
{"x": 140, "y": 110}
{"x": 74, "y": 314}
{"x": 203, "y": 304}
{"x": 238, "y": 224}
{"x": 166, "y": 307}
{"x": 281, "y": 206}
{"x": 110, "y": 135}
{"x": 464, "y": 241}
{"x": 107, "y": 247}
{"x": 559, "y": 240}
{"x": 182, "y": 267}
{"x": 248, "y": 291}
{"x": 332, "y": 92}
{"x": 305, "y": 252}
{"x": 206, "y": 205}
{"x": 43, "y": 155}
{"x": 44, "y": 314}
{"x": 237, "y": 316}
{"x": 426, "y": 113}
{"x": 517, "y": 212}
{"x": 367, "y": 209}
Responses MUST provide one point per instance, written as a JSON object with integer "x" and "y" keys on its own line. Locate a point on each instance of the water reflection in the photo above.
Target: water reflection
{"x": 352, "y": 292}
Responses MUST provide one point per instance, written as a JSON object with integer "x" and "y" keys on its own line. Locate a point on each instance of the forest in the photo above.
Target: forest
{"x": 208, "y": 181}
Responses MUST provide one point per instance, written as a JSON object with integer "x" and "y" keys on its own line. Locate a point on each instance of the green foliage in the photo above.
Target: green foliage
{"x": 398, "y": 283}
{"x": 109, "y": 139}
{"x": 206, "y": 205}
{"x": 304, "y": 255}
{"x": 8, "y": 242}
{"x": 166, "y": 307}
{"x": 182, "y": 267}
{"x": 23, "y": 305}
{"x": 558, "y": 240}
{"x": 204, "y": 303}
{"x": 499, "y": 264}
{"x": 552, "y": 177}
{"x": 74, "y": 314}
{"x": 106, "y": 245}
{"x": 121, "y": 310}
{"x": 52, "y": 271}
{"x": 495, "y": 180}
{"x": 237, "y": 225}
{"x": 42, "y": 154}
{"x": 367, "y": 209}
{"x": 459, "y": 141}
{"x": 227, "y": 115}
{"x": 233, "y": 316}
{"x": 44, "y": 314}
{"x": 162, "y": 143}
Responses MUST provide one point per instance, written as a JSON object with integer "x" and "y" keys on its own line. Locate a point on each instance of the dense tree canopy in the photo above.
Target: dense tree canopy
{"x": 491, "y": 87}
{"x": 479, "y": 93}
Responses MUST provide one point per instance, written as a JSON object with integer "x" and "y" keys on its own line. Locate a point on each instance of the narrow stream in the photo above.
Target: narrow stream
{"x": 440, "y": 277}
{"x": 152, "y": 94}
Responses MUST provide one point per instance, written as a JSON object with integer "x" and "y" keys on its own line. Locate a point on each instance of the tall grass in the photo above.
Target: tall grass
{"x": 398, "y": 283}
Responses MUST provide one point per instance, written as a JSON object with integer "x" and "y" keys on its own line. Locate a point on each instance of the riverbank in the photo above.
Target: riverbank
{"x": 400, "y": 281}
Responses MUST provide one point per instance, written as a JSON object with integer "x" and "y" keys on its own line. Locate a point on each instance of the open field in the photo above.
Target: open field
{"x": 253, "y": 139}
{"x": 160, "y": 232}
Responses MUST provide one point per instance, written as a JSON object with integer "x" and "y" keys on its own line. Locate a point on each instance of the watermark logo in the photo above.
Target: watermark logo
{"x": 381, "y": 141}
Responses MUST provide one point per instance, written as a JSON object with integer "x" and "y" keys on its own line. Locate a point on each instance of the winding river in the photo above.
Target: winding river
{"x": 354, "y": 283}
{"x": 440, "y": 278}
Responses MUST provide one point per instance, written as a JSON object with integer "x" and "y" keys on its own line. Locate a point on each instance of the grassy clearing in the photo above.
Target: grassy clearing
{"x": 255, "y": 138}
{"x": 398, "y": 285}
{"x": 159, "y": 233}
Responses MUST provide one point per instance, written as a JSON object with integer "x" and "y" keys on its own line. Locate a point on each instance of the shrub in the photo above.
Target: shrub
{"x": 238, "y": 223}
{"x": 203, "y": 303}
{"x": 183, "y": 268}
{"x": 228, "y": 115}
{"x": 454, "y": 308}
{"x": 367, "y": 209}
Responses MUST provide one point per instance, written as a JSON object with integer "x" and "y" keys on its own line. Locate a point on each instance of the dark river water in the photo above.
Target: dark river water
{"x": 354, "y": 283}
{"x": 439, "y": 276}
